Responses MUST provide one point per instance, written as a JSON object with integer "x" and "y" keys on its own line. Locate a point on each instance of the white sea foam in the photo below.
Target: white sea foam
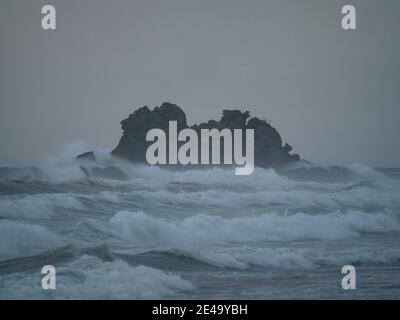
{"x": 112, "y": 197}
{"x": 355, "y": 198}
{"x": 64, "y": 167}
{"x": 39, "y": 206}
{"x": 363, "y": 171}
{"x": 68, "y": 153}
{"x": 211, "y": 217}
{"x": 142, "y": 228}
{"x": 245, "y": 257}
{"x": 214, "y": 177}
{"x": 91, "y": 278}
{"x": 19, "y": 239}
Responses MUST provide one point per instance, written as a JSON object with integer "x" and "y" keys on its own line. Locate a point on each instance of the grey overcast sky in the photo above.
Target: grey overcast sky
{"x": 334, "y": 95}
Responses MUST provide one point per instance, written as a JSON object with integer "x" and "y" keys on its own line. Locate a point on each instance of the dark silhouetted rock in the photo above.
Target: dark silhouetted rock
{"x": 93, "y": 169}
{"x": 268, "y": 148}
{"x": 87, "y": 156}
{"x": 133, "y": 144}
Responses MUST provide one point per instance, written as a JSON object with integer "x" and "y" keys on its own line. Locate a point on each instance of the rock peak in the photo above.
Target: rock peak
{"x": 268, "y": 149}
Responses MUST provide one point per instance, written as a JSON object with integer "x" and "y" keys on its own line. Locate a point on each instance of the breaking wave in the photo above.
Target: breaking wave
{"x": 90, "y": 278}
{"x": 42, "y": 206}
{"x": 20, "y": 239}
{"x": 245, "y": 257}
{"x": 199, "y": 230}
{"x": 124, "y": 231}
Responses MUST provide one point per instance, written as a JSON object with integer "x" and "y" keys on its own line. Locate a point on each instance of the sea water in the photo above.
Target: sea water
{"x": 203, "y": 234}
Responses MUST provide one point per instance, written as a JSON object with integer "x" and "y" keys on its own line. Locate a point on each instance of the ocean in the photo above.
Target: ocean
{"x": 199, "y": 234}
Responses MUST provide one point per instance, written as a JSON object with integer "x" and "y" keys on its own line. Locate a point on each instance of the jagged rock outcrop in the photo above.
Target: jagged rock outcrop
{"x": 268, "y": 148}
{"x": 133, "y": 144}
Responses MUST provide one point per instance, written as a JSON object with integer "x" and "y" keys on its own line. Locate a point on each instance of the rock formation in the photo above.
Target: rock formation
{"x": 94, "y": 169}
{"x": 86, "y": 157}
{"x": 268, "y": 148}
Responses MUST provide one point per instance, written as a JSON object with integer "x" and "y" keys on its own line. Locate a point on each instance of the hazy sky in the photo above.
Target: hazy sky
{"x": 334, "y": 95}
